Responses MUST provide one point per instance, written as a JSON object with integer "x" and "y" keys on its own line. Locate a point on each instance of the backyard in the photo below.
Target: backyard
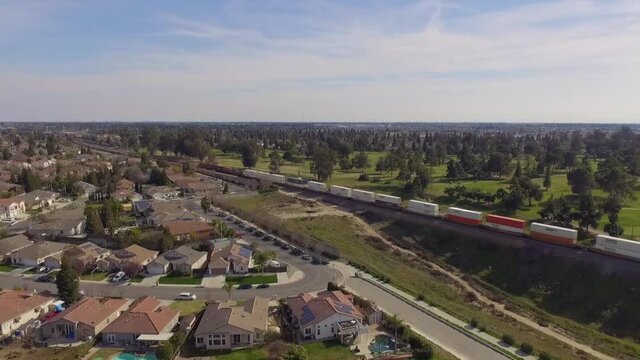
{"x": 329, "y": 350}
{"x": 188, "y": 307}
{"x": 253, "y": 279}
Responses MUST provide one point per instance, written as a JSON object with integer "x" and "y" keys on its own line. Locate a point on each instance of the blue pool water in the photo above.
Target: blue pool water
{"x": 382, "y": 344}
{"x": 131, "y": 356}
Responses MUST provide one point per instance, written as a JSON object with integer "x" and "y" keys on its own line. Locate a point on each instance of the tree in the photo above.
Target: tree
{"x": 29, "y": 180}
{"x": 587, "y": 212}
{"x": 295, "y": 352}
{"x": 225, "y": 189}
{"x": 547, "y": 177}
{"x": 6, "y": 154}
{"x": 262, "y": 258}
{"x": 499, "y": 164}
{"x": 613, "y": 178}
{"x": 205, "y": 204}
{"x": 276, "y": 162}
{"x": 94, "y": 223}
{"x": 581, "y": 180}
{"x": 228, "y": 287}
{"x": 404, "y": 175}
{"x": 395, "y": 323}
{"x": 159, "y": 176}
{"x": 250, "y": 152}
{"x": 322, "y": 162}
{"x": 361, "y": 161}
{"x": 455, "y": 170}
{"x": 165, "y": 350}
{"x": 67, "y": 283}
{"x": 612, "y": 206}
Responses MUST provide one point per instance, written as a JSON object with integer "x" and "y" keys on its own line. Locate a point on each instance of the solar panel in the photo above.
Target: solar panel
{"x": 244, "y": 252}
{"x": 307, "y": 315}
{"x": 344, "y": 308}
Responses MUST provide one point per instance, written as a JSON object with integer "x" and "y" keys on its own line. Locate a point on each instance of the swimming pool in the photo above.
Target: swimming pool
{"x": 382, "y": 344}
{"x": 132, "y": 356}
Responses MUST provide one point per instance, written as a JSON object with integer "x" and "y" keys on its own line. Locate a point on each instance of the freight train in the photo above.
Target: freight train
{"x": 542, "y": 232}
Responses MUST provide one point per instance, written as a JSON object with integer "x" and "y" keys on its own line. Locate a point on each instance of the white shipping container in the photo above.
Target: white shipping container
{"x": 317, "y": 186}
{"x": 603, "y": 241}
{"x": 250, "y": 173}
{"x": 278, "y": 179}
{"x": 388, "y": 199}
{"x": 362, "y": 195}
{"x": 422, "y": 207}
{"x": 340, "y": 191}
{"x": 555, "y": 231}
{"x": 473, "y": 215}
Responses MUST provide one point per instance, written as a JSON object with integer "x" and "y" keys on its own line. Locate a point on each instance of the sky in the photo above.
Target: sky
{"x": 350, "y": 60}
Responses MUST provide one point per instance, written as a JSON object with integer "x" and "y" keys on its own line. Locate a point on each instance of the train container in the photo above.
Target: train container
{"x": 366, "y": 196}
{"x": 278, "y": 179}
{"x": 618, "y": 246}
{"x": 422, "y": 207}
{"x": 317, "y": 186}
{"x": 388, "y": 199}
{"x": 553, "y": 234}
{"x": 340, "y": 191}
{"x": 464, "y": 216}
{"x": 296, "y": 180}
{"x": 505, "y": 224}
{"x": 250, "y": 173}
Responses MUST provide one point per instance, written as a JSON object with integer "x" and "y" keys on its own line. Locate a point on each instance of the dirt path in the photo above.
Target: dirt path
{"x": 320, "y": 209}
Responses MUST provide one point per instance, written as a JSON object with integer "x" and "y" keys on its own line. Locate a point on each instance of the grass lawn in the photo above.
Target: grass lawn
{"x": 136, "y": 279}
{"x": 253, "y": 279}
{"x": 188, "y": 307}
{"x": 104, "y": 354}
{"x": 172, "y": 279}
{"x": 15, "y": 351}
{"x": 32, "y": 271}
{"x": 7, "y": 268}
{"x": 329, "y": 350}
{"x": 96, "y": 276}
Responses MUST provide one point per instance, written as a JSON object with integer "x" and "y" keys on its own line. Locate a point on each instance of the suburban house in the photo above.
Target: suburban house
{"x": 156, "y": 213}
{"x": 85, "y": 187}
{"x": 227, "y": 325}
{"x": 38, "y": 199}
{"x": 124, "y": 184}
{"x": 161, "y": 192}
{"x": 84, "y": 319}
{"x": 60, "y": 226}
{"x": 130, "y": 260}
{"x": 12, "y": 244}
{"x": 82, "y": 257}
{"x": 146, "y": 320}
{"x": 11, "y": 208}
{"x": 200, "y": 188}
{"x": 329, "y": 315}
{"x": 36, "y": 253}
{"x": 188, "y": 230}
{"x": 183, "y": 260}
{"x": 126, "y": 195}
{"x": 20, "y": 307}
{"x": 234, "y": 259}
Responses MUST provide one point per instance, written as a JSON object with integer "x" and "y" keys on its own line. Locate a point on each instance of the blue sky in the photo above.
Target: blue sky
{"x": 264, "y": 60}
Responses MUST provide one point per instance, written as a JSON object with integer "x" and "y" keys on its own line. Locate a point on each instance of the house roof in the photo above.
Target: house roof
{"x": 87, "y": 249}
{"x": 251, "y": 316}
{"x": 16, "y": 242}
{"x": 91, "y": 311}
{"x": 310, "y": 310}
{"x": 183, "y": 255}
{"x": 15, "y": 303}
{"x": 180, "y": 227}
{"x": 145, "y": 316}
{"x": 150, "y": 191}
{"x": 37, "y": 195}
{"x": 135, "y": 254}
{"x": 42, "y": 249}
{"x": 10, "y": 201}
{"x": 124, "y": 184}
{"x": 235, "y": 253}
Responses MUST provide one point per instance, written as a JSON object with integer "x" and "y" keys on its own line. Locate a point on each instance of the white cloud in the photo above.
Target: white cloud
{"x": 564, "y": 61}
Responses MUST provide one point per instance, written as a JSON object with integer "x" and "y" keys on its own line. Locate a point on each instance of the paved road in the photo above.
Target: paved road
{"x": 452, "y": 340}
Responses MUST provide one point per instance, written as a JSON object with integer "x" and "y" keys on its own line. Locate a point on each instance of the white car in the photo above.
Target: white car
{"x": 118, "y": 277}
{"x": 186, "y": 296}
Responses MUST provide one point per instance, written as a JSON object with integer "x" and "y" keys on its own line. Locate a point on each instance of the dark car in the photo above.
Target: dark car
{"x": 262, "y": 286}
{"x": 285, "y": 246}
{"x": 245, "y": 286}
{"x": 296, "y": 252}
{"x": 46, "y": 278}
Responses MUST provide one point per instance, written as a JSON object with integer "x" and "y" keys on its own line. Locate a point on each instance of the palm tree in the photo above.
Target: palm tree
{"x": 395, "y": 323}
{"x": 228, "y": 287}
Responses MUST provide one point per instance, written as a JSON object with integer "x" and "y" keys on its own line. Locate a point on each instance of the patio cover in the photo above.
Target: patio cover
{"x": 153, "y": 337}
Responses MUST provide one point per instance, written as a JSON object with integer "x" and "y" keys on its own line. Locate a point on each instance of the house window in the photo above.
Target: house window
{"x": 307, "y": 331}
{"x": 318, "y": 330}
{"x": 216, "y": 342}
{"x": 236, "y": 338}
{"x": 199, "y": 340}
{"x": 333, "y": 329}
{"x": 224, "y": 342}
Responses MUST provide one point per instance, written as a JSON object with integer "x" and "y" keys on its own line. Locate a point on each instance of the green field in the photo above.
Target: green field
{"x": 629, "y": 217}
{"x": 253, "y": 279}
{"x": 188, "y": 307}
{"x": 7, "y": 268}
{"x": 175, "y": 279}
{"x": 412, "y": 275}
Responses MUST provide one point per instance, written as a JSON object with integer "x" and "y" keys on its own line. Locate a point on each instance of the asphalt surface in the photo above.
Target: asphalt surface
{"x": 454, "y": 341}
{"x": 316, "y": 277}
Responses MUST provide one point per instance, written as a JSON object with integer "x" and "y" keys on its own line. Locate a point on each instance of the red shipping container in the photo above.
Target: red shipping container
{"x": 463, "y": 220}
{"x": 559, "y": 240}
{"x": 506, "y": 221}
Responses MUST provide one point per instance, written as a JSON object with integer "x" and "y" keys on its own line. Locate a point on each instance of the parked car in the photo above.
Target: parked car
{"x": 41, "y": 269}
{"x": 186, "y": 296}
{"x": 46, "y": 278}
{"x": 245, "y": 286}
{"x": 262, "y": 286}
{"x": 119, "y": 276}
{"x": 296, "y": 252}
{"x": 306, "y": 257}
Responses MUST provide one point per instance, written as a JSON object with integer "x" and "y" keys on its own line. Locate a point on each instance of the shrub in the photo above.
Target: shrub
{"x": 526, "y": 348}
{"x": 473, "y": 323}
{"x": 508, "y": 339}
{"x": 422, "y": 354}
{"x": 375, "y": 180}
{"x": 420, "y": 297}
{"x": 363, "y": 177}
{"x": 165, "y": 351}
{"x": 545, "y": 356}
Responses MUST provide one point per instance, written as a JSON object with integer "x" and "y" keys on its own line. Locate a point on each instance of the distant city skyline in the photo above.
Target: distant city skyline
{"x": 320, "y": 61}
